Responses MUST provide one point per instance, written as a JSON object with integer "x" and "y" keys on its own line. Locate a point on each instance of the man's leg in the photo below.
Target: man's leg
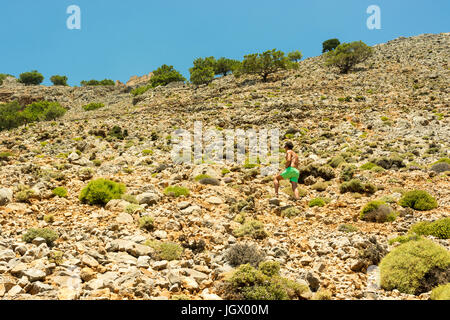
{"x": 295, "y": 189}
{"x": 276, "y": 182}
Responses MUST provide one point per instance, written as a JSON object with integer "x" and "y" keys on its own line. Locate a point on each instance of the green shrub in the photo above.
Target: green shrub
{"x": 146, "y": 223}
{"x": 176, "y": 191}
{"x": 59, "y": 80}
{"x": 336, "y": 161}
{"x": 347, "y": 55}
{"x": 118, "y": 133}
{"x": 60, "y": 192}
{"x": 404, "y": 239}
{"x": 49, "y": 218}
{"x": 322, "y": 294}
{"x": 317, "y": 202}
{"x": 270, "y": 268}
{"x": 418, "y": 200}
{"x": 443, "y": 160}
{"x": 355, "y": 185}
{"x": 167, "y": 250}
{"x": 252, "y": 284}
{"x": 93, "y": 106}
{"x": 101, "y": 191}
{"x": 31, "y": 78}
{"x": 201, "y": 176}
{"x": 251, "y": 228}
{"x": 3, "y": 76}
{"x": 105, "y": 82}
{"x": 291, "y": 212}
{"x": 129, "y": 198}
{"x": 4, "y": 156}
{"x": 43, "y": 111}
{"x": 165, "y": 75}
{"x": 225, "y": 171}
{"x": 320, "y": 186}
{"x": 439, "y": 229}
{"x": 347, "y": 228}
{"x": 441, "y": 292}
{"x": 330, "y": 45}
{"x": 147, "y": 152}
{"x": 12, "y": 115}
{"x": 348, "y": 172}
{"x": 48, "y": 234}
{"x": 133, "y": 208}
{"x": 141, "y": 90}
{"x": 415, "y": 267}
{"x": 377, "y": 211}
{"x": 368, "y": 166}
{"x": 24, "y": 193}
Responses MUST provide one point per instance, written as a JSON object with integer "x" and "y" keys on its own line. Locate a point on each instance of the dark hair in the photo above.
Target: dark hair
{"x": 289, "y": 145}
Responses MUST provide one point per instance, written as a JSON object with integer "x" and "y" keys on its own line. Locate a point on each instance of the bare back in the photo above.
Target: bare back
{"x": 292, "y": 159}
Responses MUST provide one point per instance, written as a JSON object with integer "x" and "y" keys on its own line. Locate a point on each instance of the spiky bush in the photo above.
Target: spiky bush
{"x": 317, "y": 202}
{"x": 347, "y": 228}
{"x": 415, "y": 267}
{"x": 60, "y": 192}
{"x": 146, "y": 223}
{"x": 377, "y": 211}
{"x": 166, "y": 250}
{"x": 418, "y": 200}
{"x": 290, "y": 212}
{"x": 48, "y": 234}
{"x": 355, "y": 185}
{"x": 441, "y": 292}
{"x": 101, "y": 191}
{"x": 244, "y": 254}
{"x": 264, "y": 283}
{"x": 439, "y": 229}
{"x": 176, "y": 191}
{"x": 251, "y": 228}
{"x": 93, "y": 106}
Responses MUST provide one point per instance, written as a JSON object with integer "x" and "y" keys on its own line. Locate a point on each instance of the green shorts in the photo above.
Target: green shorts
{"x": 291, "y": 173}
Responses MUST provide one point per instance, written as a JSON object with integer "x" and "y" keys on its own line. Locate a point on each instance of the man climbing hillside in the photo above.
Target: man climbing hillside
{"x": 291, "y": 171}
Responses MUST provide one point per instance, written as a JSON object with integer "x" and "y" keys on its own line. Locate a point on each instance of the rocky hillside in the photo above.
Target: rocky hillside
{"x": 385, "y": 124}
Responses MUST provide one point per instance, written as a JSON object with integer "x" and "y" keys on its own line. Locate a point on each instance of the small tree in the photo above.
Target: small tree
{"x": 223, "y": 66}
{"x": 265, "y": 63}
{"x": 165, "y": 75}
{"x": 347, "y": 55}
{"x": 105, "y": 82}
{"x": 295, "y": 56}
{"x": 202, "y": 75}
{"x": 330, "y": 45}
{"x": 59, "y": 80}
{"x": 203, "y": 63}
{"x": 31, "y": 78}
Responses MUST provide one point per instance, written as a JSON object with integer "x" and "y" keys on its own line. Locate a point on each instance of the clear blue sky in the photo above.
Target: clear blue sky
{"x": 119, "y": 39}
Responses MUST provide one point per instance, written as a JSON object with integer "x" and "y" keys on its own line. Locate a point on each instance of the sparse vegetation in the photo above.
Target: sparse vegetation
{"x": 93, "y": 106}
